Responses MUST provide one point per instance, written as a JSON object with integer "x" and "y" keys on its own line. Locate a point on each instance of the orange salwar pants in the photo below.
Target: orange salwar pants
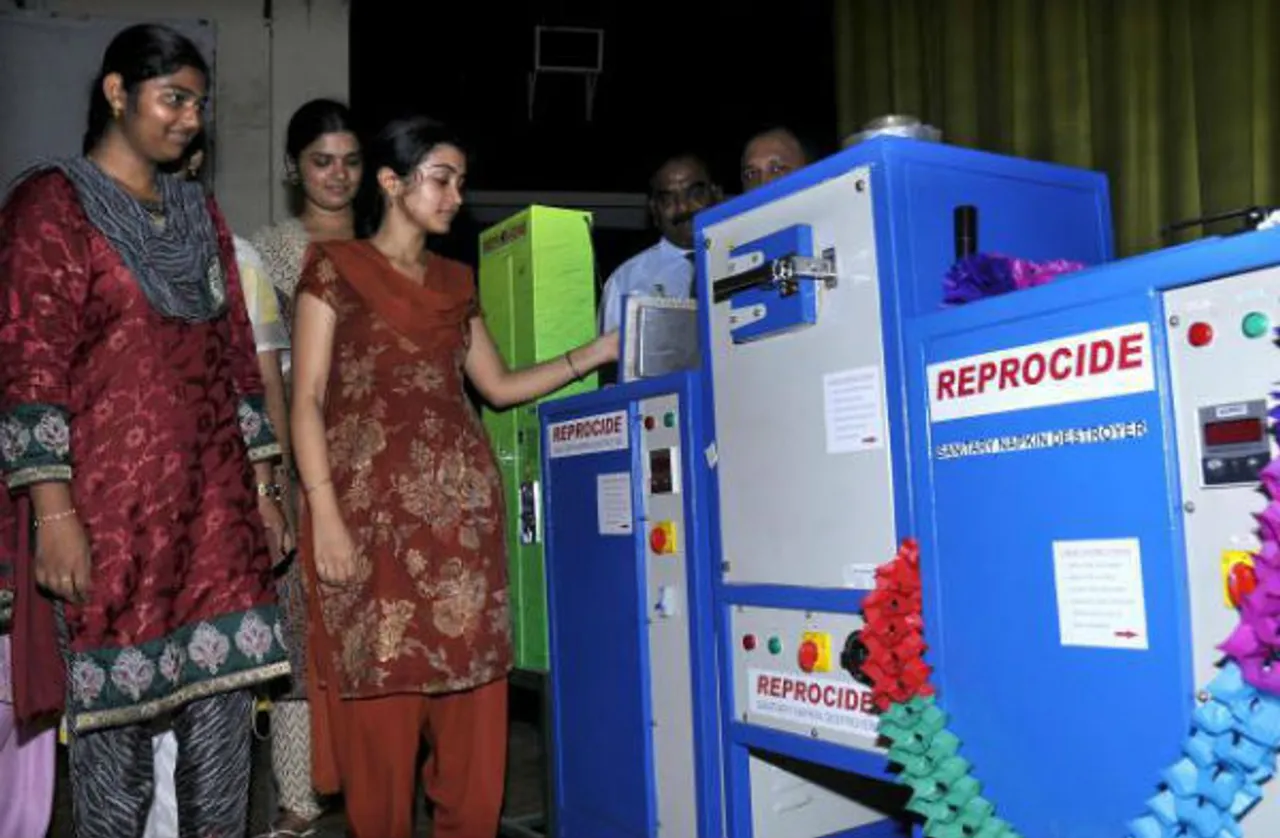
{"x": 376, "y": 741}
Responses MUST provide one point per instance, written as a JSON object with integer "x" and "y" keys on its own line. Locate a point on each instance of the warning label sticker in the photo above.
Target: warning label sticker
{"x": 813, "y": 701}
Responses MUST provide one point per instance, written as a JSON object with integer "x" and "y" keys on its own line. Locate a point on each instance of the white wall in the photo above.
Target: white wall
{"x": 265, "y": 70}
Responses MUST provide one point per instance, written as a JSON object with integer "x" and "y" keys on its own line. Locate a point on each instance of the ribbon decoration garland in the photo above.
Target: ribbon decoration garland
{"x": 943, "y": 791}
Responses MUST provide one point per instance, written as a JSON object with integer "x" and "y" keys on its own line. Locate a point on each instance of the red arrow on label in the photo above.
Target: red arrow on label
{"x": 1127, "y": 635}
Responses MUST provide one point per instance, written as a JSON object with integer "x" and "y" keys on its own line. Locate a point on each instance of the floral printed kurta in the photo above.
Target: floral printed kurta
{"x": 153, "y": 422}
{"x": 419, "y": 491}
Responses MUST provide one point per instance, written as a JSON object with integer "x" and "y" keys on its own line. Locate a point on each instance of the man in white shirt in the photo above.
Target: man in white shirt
{"x": 681, "y": 187}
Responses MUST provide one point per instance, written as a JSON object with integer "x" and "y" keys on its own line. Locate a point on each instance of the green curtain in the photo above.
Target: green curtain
{"x": 1175, "y": 100}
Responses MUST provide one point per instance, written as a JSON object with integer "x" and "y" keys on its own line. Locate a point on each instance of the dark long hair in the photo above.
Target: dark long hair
{"x": 312, "y": 121}
{"x": 308, "y": 124}
{"x": 138, "y": 54}
{"x": 400, "y": 146}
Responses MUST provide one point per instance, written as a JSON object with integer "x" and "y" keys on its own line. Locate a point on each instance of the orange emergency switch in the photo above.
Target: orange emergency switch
{"x": 814, "y": 654}
{"x": 662, "y": 538}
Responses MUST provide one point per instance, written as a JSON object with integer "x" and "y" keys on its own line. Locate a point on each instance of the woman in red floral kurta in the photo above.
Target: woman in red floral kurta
{"x": 130, "y": 412}
{"x": 404, "y": 528}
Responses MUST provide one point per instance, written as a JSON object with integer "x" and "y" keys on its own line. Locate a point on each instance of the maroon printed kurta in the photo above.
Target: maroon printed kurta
{"x": 154, "y": 422}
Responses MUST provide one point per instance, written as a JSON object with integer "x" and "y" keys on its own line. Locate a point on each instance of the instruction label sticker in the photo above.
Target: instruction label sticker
{"x": 613, "y": 503}
{"x": 588, "y": 435}
{"x": 1100, "y": 598}
{"x": 852, "y": 406}
{"x": 813, "y": 702}
{"x": 1085, "y": 367}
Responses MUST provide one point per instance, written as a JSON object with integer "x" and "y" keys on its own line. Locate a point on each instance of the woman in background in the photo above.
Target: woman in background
{"x": 403, "y": 522}
{"x": 324, "y": 165}
{"x": 132, "y": 434}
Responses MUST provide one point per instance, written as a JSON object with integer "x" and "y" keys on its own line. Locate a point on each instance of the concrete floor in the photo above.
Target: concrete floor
{"x": 525, "y": 779}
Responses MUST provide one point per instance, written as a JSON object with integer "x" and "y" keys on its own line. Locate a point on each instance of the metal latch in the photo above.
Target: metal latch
{"x": 530, "y": 517}
{"x": 784, "y": 273}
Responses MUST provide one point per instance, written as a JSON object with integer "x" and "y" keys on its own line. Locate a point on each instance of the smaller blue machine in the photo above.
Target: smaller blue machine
{"x": 633, "y": 695}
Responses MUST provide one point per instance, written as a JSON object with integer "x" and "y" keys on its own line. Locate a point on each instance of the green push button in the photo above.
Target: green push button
{"x": 669, "y": 420}
{"x": 775, "y": 646}
{"x": 1254, "y": 324}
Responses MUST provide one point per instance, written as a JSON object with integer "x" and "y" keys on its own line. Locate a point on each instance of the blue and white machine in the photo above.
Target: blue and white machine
{"x": 805, "y": 285}
{"x": 1085, "y": 474}
{"x": 1078, "y": 463}
{"x": 633, "y": 694}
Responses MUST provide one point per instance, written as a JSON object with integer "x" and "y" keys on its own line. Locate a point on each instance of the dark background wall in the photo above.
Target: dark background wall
{"x": 677, "y": 75}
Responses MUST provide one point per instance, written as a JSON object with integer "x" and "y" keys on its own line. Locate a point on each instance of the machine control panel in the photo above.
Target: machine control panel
{"x": 789, "y": 675}
{"x": 1233, "y": 439}
{"x": 667, "y": 624}
{"x": 815, "y": 652}
{"x": 664, "y": 471}
{"x": 1222, "y": 366}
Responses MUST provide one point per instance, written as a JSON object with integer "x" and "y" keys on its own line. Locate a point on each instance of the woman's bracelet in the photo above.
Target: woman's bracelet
{"x": 310, "y": 489}
{"x": 568, "y": 357}
{"x": 274, "y": 491}
{"x": 41, "y": 520}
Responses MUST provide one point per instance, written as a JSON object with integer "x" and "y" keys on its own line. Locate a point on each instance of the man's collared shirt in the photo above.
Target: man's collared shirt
{"x": 663, "y": 270}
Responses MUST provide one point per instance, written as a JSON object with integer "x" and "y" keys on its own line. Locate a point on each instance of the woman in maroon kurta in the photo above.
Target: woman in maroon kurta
{"x": 130, "y": 410}
{"x": 404, "y": 532}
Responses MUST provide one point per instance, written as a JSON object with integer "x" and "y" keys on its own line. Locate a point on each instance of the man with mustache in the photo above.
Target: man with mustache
{"x": 681, "y": 187}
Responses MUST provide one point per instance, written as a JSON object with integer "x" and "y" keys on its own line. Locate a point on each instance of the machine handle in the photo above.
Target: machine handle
{"x": 779, "y": 273}
{"x": 731, "y": 285}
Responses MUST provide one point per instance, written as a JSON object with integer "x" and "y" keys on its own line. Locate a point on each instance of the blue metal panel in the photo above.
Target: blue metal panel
{"x": 1040, "y": 721}
{"x": 1029, "y": 210}
{"x": 599, "y": 685}
{"x": 1035, "y": 715}
{"x": 603, "y": 755}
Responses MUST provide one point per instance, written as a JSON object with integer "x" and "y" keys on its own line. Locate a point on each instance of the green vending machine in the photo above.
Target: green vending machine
{"x": 537, "y": 287}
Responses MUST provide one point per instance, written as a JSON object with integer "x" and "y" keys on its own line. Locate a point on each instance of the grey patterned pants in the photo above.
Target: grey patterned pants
{"x": 291, "y": 714}
{"x": 291, "y": 758}
{"x": 112, "y": 775}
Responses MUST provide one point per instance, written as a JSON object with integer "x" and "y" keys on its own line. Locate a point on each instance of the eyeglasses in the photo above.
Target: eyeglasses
{"x": 698, "y": 192}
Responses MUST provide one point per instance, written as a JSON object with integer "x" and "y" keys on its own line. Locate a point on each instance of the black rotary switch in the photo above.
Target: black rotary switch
{"x": 853, "y": 656}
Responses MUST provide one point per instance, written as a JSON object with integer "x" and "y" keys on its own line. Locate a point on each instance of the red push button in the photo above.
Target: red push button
{"x": 808, "y": 656}
{"x": 658, "y": 539}
{"x": 662, "y": 538}
{"x": 1200, "y": 334}
{"x": 1242, "y": 579}
{"x": 648, "y": 423}
{"x": 749, "y": 642}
